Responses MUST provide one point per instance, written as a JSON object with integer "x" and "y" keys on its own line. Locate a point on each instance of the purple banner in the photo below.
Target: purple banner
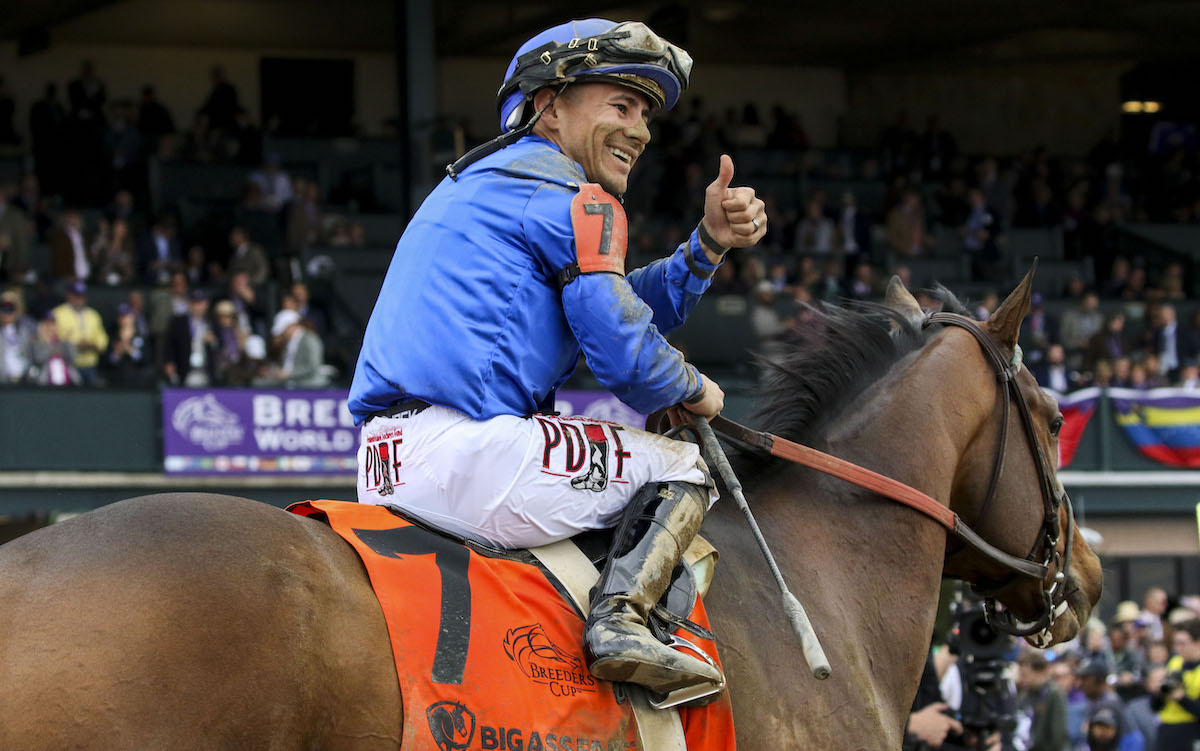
{"x": 240, "y": 431}
{"x": 251, "y": 430}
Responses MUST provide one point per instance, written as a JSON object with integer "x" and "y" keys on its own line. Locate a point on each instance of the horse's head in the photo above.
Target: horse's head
{"x": 1006, "y": 484}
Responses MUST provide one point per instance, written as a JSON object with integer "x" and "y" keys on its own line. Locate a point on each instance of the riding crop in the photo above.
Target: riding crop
{"x": 813, "y": 653}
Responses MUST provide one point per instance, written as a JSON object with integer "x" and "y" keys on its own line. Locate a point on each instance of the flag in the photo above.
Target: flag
{"x": 1077, "y": 409}
{"x": 1164, "y": 424}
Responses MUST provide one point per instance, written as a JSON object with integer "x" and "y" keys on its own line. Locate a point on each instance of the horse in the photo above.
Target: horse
{"x": 203, "y": 621}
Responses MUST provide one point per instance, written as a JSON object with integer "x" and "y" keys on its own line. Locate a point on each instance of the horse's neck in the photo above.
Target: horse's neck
{"x": 868, "y": 570}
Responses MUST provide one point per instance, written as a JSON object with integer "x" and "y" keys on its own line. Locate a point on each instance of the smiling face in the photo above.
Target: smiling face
{"x": 602, "y": 126}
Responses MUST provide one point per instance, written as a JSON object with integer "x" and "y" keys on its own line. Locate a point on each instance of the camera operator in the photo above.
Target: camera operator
{"x": 1179, "y": 697}
{"x": 988, "y": 702}
{"x": 931, "y": 728}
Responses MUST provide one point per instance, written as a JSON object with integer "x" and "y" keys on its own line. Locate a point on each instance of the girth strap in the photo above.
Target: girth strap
{"x": 876, "y": 483}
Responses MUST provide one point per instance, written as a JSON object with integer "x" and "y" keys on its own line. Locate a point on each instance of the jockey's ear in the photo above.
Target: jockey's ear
{"x": 1005, "y": 323}
{"x": 899, "y": 299}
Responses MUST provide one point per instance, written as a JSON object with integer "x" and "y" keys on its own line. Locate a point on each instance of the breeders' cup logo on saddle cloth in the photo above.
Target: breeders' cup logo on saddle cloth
{"x": 544, "y": 662}
{"x": 207, "y": 423}
{"x": 452, "y": 725}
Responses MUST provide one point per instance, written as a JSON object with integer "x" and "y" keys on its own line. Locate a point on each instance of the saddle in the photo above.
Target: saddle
{"x": 516, "y": 679}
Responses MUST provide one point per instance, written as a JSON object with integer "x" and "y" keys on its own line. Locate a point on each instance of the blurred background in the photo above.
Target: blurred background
{"x": 198, "y": 199}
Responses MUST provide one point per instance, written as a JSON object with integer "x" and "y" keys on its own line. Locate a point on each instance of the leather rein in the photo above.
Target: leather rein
{"x": 1035, "y": 565}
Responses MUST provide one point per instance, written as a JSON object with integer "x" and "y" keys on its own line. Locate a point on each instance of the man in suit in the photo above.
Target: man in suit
{"x": 160, "y": 252}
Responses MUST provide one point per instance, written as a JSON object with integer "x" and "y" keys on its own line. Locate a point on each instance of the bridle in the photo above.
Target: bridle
{"x": 1044, "y": 554}
{"x": 1045, "y": 547}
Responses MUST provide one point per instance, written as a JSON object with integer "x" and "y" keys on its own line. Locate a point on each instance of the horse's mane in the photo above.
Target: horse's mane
{"x": 833, "y": 354}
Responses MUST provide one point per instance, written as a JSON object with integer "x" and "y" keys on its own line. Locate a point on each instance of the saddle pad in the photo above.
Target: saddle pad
{"x": 492, "y": 657}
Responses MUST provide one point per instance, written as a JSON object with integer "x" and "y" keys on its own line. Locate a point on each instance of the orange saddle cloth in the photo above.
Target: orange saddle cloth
{"x": 489, "y": 653}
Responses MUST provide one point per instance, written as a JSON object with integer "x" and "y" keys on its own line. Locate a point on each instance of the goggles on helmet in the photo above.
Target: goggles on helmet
{"x": 603, "y": 55}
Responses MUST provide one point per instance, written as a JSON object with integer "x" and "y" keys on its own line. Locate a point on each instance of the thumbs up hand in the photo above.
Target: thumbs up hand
{"x": 734, "y": 217}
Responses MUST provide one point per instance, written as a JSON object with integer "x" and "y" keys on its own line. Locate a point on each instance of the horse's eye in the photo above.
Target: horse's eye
{"x": 1056, "y": 425}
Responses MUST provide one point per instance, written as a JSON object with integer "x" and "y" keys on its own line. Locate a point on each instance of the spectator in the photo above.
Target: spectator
{"x": 853, "y": 228}
{"x": 87, "y": 98}
{"x": 246, "y": 140}
{"x": 250, "y": 314}
{"x": 1054, "y": 373}
{"x": 189, "y": 358}
{"x": 221, "y": 107}
{"x": 1104, "y": 733}
{"x": 14, "y": 238}
{"x": 123, "y": 146}
{"x": 307, "y": 311}
{"x": 1172, "y": 282}
{"x": 1169, "y": 342}
{"x": 906, "y": 226}
{"x": 1154, "y": 608}
{"x": 274, "y": 184}
{"x": 37, "y": 207}
{"x": 129, "y": 358}
{"x": 301, "y": 354}
{"x": 1128, "y": 663}
{"x": 52, "y": 358}
{"x": 112, "y": 251}
{"x": 1110, "y": 343}
{"x": 17, "y": 335}
{"x": 303, "y": 216}
{"x": 1141, "y": 710}
{"x": 248, "y": 257}
{"x": 1081, "y": 322}
{"x": 48, "y": 135}
{"x": 1179, "y": 715}
{"x": 864, "y": 284}
{"x": 87, "y": 95}
{"x": 1093, "y": 683}
{"x": 199, "y": 270}
{"x": 1043, "y": 701}
{"x": 231, "y": 365}
{"x": 1041, "y": 328}
{"x": 768, "y": 325}
{"x": 816, "y": 233}
{"x": 1189, "y": 376}
{"x": 979, "y": 233}
{"x": 153, "y": 120}
{"x": 167, "y": 303}
{"x": 83, "y": 328}
{"x": 160, "y": 252}
{"x": 69, "y": 257}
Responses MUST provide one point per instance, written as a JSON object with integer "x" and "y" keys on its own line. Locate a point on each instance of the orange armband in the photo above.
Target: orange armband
{"x": 601, "y": 234}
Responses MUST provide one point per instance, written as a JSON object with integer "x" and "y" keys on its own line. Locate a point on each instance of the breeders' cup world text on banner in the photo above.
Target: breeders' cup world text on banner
{"x": 255, "y": 431}
{"x": 250, "y": 430}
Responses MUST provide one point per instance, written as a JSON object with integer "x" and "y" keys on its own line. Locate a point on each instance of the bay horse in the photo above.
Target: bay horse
{"x": 203, "y": 621}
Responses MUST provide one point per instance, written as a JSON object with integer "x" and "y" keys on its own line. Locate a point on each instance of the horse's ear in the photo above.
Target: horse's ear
{"x": 1005, "y": 323}
{"x": 899, "y": 299}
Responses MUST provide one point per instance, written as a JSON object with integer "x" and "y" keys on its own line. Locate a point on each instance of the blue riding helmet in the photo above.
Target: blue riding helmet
{"x": 626, "y": 53}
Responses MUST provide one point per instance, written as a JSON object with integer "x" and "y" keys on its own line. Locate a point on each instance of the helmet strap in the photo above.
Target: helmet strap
{"x": 499, "y": 142}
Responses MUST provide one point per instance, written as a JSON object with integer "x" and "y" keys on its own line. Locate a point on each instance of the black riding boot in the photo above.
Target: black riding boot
{"x": 656, "y": 528}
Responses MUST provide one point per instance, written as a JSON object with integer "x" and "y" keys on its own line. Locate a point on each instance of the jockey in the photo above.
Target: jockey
{"x": 511, "y": 268}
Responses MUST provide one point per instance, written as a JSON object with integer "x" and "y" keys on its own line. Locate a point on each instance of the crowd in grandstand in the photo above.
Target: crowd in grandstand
{"x": 1127, "y": 685}
{"x": 213, "y": 301}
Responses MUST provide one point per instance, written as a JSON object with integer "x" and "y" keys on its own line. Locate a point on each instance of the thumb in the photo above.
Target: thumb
{"x": 725, "y": 175}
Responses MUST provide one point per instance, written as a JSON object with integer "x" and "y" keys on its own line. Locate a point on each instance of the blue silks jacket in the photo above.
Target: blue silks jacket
{"x": 470, "y": 315}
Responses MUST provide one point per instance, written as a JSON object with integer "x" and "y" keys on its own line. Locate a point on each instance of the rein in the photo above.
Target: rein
{"x": 1032, "y": 566}
{"x": 864, "y": 478}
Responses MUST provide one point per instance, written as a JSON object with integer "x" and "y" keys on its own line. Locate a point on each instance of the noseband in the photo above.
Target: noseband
{"x": 1041, "y": 558}
{"x": 1045, "y": 547}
